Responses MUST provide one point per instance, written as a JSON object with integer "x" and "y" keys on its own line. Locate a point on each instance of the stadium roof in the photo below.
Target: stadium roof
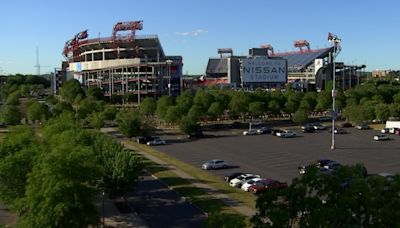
{"x": 302, "y": 59}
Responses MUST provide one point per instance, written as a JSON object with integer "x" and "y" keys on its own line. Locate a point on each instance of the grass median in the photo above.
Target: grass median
{"x": 205, "y": 177}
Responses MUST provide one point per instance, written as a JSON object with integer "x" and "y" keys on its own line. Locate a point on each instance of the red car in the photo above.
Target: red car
{"x": 266, "y": 184}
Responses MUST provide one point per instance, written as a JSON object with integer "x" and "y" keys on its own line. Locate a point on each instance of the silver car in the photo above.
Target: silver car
{"x": 215, "y": 164}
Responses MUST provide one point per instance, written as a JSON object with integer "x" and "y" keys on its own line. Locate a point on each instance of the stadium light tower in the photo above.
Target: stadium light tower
{"x": 335, "y": 41}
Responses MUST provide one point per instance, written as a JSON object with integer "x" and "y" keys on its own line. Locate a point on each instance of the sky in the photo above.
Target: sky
{"x": 369, "y": 29}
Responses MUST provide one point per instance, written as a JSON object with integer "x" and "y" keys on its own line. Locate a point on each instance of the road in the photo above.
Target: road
{"x": 160, "y": 206}
{"x": 278, "y": 158}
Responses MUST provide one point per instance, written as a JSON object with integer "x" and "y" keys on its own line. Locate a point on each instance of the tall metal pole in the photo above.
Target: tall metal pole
{"x": 333, "y": 99}
{"x": 336, "y": 49}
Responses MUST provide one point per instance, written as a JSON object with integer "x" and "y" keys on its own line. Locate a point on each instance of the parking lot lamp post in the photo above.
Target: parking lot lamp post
{"x": 169, "y": 62}
{"x": 335, "y": 40}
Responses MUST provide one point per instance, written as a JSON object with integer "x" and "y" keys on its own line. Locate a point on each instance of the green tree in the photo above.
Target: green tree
{"x": 121, "y": 168}
{"x": 308, "y": 102}
{"x": 96, "y": 120}
{"x": 382, "y": 112}
{"x": 70, "y": 90}
{"x": 256, "y": 108}
{"x": 18, "y": 151}
{"x": 13, "y": 99}
{"x": 110, "y": 112}
{"x": 203, "y": 99}
{"x": 216, "y": 109}
{"x": 11, "y": 115}
{"x": 162, "y": 106}
{"x": 148, "y": 106}
{"x": 185, "y": 101}
{"x": 37, "y": 112}
{"x": 95, "y": 92}
{"x": 300, "y": 116}
{"x": 344, "y": 198}
{"x": 173, "y": 114}
{"x": 324, "y": 101}
{"x": 293, "y": 102}
{"x": 239, "y": 104}
{"x": 195, "y": 113}
{"x": 130, "y": 123}
{"x": 189, "y": 126}
{"x": 63, "y": 181}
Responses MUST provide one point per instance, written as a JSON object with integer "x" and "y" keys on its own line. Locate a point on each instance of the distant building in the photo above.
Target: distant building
{"x": 124, "y": 63}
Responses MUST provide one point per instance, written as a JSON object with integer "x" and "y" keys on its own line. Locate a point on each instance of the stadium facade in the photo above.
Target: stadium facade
{"x": 124, "y": 63}
{"x": 307, "y": 69}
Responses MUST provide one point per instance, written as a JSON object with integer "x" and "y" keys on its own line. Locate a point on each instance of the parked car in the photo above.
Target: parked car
{"x": 392, "y": 130}
{"x": 215, "y": 164}
{"x": 250, "y": 132}
{"x": 247, "y": 184}
{"x": 346, "y": 124}
{"x": 385, "y": 130}
{"x": 266, "y": 184}
{"x": 195, "y": 134}
{"x": 363, "y": 126}
{"x": 381, "y": 137}
{"x": 156, "y": 142}
{"x": 238, "y": 181}
{"x": 319, "y": 164}
{"x": 286, "y": 134}
{"x": 318, "y": 126}
{"x": 145, "y": 139}
{"x": 338, "y": 131}
{"x": 264, "y": 130}
{"x": 308, "y": 128}
{"x": 332, "y": 165}
{"x": 231, "y": 176}
{"x": 276, "y": 131}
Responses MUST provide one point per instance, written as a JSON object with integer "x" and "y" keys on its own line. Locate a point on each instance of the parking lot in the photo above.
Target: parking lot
{"x": 278, "y": 158}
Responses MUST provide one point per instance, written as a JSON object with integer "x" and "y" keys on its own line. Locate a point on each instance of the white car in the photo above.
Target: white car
{"x": 215, "y": 164}
{"x": 318, "y": 126}
{"x": 381, "y": 137}
{"x": 247, "y": 184}
{"x": 238, "y": 181}
{"x": 156, "y": 142}
{"x": 286, "y": 134}
{"x": 250, "y": 132}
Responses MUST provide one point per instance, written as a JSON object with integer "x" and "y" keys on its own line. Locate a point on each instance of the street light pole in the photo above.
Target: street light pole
{"x": 335, "y": 40}
{"x": 103, "y": 194}
{"x": 169, "y": 62}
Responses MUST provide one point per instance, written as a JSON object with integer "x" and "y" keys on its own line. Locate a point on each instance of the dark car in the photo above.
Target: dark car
{"x": 363, "y": 126}
{"x": 231, "y": 176}
{"x": 195, "y": 134}
{"x": 338, "y": 130}
{"x": 308, "y": 128}
{"x": 346, "y": 124}
{"x": 319, "y": 164}
{"x": 266, "y": 184}
{"x": 145, "y": 139}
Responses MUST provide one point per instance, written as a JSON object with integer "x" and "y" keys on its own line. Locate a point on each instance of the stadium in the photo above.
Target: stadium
{"x": 307, "y": 69}
{"x": 123, "y": 63}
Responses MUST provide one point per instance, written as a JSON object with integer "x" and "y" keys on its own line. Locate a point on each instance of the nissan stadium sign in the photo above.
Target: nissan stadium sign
{"x": 264, "y": 70}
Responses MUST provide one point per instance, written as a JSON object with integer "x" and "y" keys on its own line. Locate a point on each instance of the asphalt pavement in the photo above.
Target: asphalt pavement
{"x": 160, "y": 206}
{"x": 278, "y": 158}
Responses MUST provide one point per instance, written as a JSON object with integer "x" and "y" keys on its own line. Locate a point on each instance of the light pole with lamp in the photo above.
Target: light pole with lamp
{"x": 335, "y": 40}
{"x": 169, "y": 62}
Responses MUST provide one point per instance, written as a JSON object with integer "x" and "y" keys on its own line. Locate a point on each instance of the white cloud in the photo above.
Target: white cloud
{"x": 192, "y": 33}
